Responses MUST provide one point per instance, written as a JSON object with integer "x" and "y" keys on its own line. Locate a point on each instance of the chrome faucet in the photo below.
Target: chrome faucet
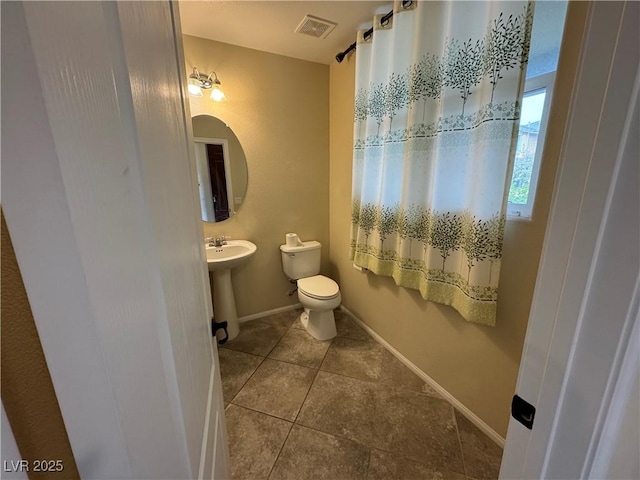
{"x": 216, "y": 242}
{"x": 220, "y": 241}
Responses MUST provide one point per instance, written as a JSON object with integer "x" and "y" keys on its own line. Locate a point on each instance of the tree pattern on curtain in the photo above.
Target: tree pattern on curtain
{"x": 404, "y": 239}
{"x": 505, "y": 46}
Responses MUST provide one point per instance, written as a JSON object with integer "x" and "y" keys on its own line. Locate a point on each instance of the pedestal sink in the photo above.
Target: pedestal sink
{"x": 220, "y": 261}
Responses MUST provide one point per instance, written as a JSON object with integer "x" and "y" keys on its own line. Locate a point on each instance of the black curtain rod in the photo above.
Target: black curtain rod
{"x": 368, "y": 33}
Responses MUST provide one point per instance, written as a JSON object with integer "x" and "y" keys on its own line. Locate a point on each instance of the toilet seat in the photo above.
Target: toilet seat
{"x": 319, "y": 287}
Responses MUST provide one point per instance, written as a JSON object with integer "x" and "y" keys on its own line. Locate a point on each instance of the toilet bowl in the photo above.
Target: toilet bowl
{"x": 318, "y": 294}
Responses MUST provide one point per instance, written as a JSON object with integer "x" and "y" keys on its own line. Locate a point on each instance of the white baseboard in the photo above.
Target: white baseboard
{"x": 253, "y": 316}
{"x": 472, "y": 417}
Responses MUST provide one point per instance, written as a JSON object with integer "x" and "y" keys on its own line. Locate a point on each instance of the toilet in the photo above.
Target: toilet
{"x": 318, "y": 294}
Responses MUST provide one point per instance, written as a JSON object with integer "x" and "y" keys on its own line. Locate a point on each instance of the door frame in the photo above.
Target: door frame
{"x": 598, "y": 132}
{"x": 227, "y": 167}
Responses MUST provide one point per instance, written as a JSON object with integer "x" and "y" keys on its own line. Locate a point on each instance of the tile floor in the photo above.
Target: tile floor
{"x": 300, "y": 409}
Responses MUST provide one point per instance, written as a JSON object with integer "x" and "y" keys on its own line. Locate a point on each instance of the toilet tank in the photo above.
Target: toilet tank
{"x": 302, "y": 260}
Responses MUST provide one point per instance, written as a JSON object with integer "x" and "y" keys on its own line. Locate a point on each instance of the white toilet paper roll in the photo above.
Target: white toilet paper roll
{"x": 291, "y": 240}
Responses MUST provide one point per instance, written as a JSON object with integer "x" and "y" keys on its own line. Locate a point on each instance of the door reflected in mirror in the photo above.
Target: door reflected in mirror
{"x": 221, "y": 167}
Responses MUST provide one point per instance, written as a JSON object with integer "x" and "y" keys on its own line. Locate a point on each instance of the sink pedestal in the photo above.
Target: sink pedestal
{"x": 221, "y": 259}
{"x": 224, "y": 303}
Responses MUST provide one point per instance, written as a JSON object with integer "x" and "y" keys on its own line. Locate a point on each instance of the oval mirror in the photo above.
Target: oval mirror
{"x": 221, "y": 167}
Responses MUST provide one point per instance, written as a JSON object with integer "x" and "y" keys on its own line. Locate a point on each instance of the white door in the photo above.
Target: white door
{"x": 579, "y": 369}
{"x": 100, "y": 197}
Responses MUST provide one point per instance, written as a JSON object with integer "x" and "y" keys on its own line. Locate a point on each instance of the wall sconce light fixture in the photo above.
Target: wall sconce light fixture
{"x": 198, "y": 82}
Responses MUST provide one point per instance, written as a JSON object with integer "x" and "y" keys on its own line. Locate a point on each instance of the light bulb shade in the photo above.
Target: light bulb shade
{"x": 197, "y": 82}
{"x": 194, "y": 87}
{"x": 216, "y": 93}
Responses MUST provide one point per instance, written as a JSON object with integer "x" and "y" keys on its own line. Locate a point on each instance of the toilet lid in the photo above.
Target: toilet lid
{"x": 318, "y": 287}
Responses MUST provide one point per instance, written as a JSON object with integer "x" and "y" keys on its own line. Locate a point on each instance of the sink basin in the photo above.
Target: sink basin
{"x": 231, "y": 255}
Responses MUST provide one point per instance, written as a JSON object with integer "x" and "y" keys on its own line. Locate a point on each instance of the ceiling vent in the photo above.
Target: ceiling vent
{"x": 315, "y": 27}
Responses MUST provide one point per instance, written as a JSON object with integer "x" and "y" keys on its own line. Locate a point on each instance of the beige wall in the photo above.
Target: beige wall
{"x": 27, "y": 391}
{"x": 278, "y": 108}
{"x": 478, "y": 365}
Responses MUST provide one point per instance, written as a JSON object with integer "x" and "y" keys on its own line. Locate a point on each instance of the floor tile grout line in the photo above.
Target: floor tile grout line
{"x": 333, "y": 434}
{"x": 245, "y": 382}
{"x": 292, "y": 363}
{"x": 262, "y": 361}
{"x": 222, "y": 347}
{"x": 263, "y": 356}
{"x": 280, "y": 451}
{"x": 475, "y": 449}
{"x": 293, "y": 422}
{"x": 374, "y": 382}
{"x": 263, "y": 413}
{"x": 324, "y": 357}
{"x": 314, "y": 381}
{"x": 274, "y": 416}
{"x": 248, "y": 378}
{"x": 391, "y": 452}
{"x": 258, "y": 366}
{"x": 342, "y": 437}
{"x": 339, "y": 437}
{"x": 366, "y": 473}
{"x": 322, "y": 431}
{"x": 274, "y": 346}
{"x": 377, "y": 382}
{"x": 319, "y": 368}
{"x": 412, "y": 459}
{"x": 254, "y": 372}
{"x": 371, "y": 449}
{"x": 314, "y": 378}
{"x": 455, "y": 422}
{"x": 289, "y": 362}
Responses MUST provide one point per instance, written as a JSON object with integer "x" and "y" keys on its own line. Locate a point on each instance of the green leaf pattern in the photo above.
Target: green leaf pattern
{"x": 462, "y": 67}
{"x": 451, "y": 257}
{"x": 442, "y": 233}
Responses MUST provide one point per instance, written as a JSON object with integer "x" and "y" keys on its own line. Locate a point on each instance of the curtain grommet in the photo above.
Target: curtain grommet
{"x": 378, "y": 25}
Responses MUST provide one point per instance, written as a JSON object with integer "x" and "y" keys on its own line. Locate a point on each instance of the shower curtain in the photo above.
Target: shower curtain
{"x": 437, "y": 106}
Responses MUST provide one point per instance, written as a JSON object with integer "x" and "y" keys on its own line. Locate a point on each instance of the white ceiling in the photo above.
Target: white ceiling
{"x": 269, "y": 25}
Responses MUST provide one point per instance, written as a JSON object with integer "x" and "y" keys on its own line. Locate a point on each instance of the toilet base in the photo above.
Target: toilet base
{"x": 321, "y": 325}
